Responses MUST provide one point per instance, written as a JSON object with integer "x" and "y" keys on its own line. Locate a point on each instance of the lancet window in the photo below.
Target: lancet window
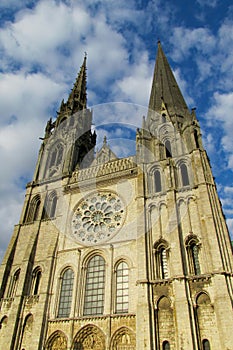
{"x": 122, "y": 287}
{"x": 94, "y": 288}
{"x": 33, "y": 209}
{"x": 13, "y": 284}
{"x": 184, "y": 175}
{"x": 50, "y": 206}
{"x": 193, "y": 256}
{"x": 157, "y": 181}
{"x": 66, "y": 292}
{"x": 36, "y": 279}
{"x": 161, "y": 260}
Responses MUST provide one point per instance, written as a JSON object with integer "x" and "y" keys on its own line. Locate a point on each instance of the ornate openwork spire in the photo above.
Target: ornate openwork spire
{"x": 165, "y": 88}
{"x": 78, "y": 96}
{"x": 77, "y": 99}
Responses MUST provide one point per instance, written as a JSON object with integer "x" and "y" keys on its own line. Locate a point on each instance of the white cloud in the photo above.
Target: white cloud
{"x": 209, "y": 3}
{"x": 221, "y": 111}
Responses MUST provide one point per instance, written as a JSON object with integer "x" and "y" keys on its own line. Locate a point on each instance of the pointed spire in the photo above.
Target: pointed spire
{"x": 78, "y": 96}
{"x": 165, "y": 88}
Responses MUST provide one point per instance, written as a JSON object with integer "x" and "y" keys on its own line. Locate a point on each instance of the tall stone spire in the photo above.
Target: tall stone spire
{"x": 77, "y": 99}
{"x": 165, "y": 89}
{"x": 78, "y": 96}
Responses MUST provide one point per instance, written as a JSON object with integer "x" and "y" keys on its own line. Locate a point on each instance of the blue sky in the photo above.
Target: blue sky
{"x": 42, "y": 44}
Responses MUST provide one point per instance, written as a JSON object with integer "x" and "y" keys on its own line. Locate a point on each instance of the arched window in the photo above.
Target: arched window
{"x": 164, "y": 118}
{"x": 3, "y": 322}
{"x": 161, "y": 259}
{"x": 168, "y": 149}
{"x": 157, "y": 181}
{"x": 66, "y": 292}
{"x": 122, "y": 287}
{"x": 206, "y": 344}
{"x": 184, "y": 175}
{"x": 27, "y": 332}
{"x": 49, "y": 209}
{"x": 13, "y": 284}
{"x": 94, "y": 289}
{"x": 36, "y": 278}
{"x": 33, "y": 209}
{"x": 166, "y": 345}
{"x": 56, "y": 155}
{"x": 193, "y": 256}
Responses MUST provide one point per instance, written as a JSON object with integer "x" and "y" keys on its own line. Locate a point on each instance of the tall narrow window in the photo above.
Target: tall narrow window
{"x": 168, "y": 149}
{"x": 94, "y": 289}
{"x": 206, "y": 344}
{"x": 166, "y": 345}
{"x": 56, "y": 156}
{"x": 196, "y": 138}
{"x": 122, "y": 288}
{"x": 184, "y": 175}
{"x": 13, "y": 284}
{"x": 195, "y": 259}
{"x": 36, "y": 278}
{"x": 49, "y": 209}
{"x": 163, "y": 263}
{"x": 157, "y": 181}
{"x": 66, "y": 291}
{"x": 193, "y": 255}
{"x": 33, "y": 209}
{"x": 161, "y": 260}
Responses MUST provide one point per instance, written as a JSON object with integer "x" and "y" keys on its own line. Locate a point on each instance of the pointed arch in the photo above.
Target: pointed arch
{"x": 122, "y": 287}
{"x": 57, "y": 340}
{"x": 55, "y": 157}
{"x": 123, "y": 339}
{"x": 50, "y": 206}
{"x": 36, "y": 279}
{"x": 94, "y": 286}
{"x": 168, "y": 149}
{"x": 33, "y": 209}
{"x": 89, "y": 337}
{"x": 65, "y": 293}
{"x": 13, "y": 284}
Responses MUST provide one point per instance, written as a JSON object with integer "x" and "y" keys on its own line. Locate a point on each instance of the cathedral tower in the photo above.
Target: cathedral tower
{"x": 120, "y": 253}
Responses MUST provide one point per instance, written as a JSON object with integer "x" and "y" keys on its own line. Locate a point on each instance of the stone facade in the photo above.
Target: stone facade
{"x": 120, "y": 254}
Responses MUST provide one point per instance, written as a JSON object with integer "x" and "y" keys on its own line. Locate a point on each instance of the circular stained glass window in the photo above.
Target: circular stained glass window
{"x": 98, "y": 217}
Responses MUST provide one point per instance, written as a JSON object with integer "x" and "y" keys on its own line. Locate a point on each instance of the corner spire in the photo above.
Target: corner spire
{"x": 165, "y": 88}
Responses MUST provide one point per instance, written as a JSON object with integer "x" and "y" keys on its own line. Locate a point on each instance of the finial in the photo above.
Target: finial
{"x": 85, "y": 54}
{"x": 105, "y": 140}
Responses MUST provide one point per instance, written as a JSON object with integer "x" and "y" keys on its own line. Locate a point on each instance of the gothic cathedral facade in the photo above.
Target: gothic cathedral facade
{"x": 120, "y": 253}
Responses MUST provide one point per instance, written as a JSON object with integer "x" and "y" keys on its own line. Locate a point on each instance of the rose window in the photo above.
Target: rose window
{"x": 98, "y": 218}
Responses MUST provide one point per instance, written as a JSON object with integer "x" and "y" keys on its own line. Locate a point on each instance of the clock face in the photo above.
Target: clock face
{"x": 97, "y": 218}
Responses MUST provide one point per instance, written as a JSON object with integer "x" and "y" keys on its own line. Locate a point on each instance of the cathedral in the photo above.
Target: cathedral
{"x": 114, "y": 253}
